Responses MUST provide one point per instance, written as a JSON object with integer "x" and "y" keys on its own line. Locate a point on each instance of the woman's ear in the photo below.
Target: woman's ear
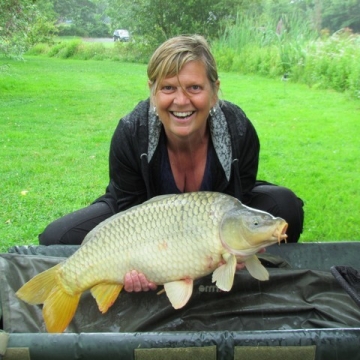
{"x": 152, "y": 94}
{"x": 216, "y": 92}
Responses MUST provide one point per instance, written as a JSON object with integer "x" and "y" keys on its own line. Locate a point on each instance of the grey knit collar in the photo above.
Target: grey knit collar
{"x": 219, "y": 131}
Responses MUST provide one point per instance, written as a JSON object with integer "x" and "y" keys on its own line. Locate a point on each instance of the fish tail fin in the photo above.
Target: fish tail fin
{"x": 59, "y": 306}
{"x": 36, "y": 290}
{"x": 59, "y": 309}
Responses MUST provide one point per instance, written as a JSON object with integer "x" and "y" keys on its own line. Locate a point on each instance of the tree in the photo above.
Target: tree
{"x": 87, "y": 17}
{"x": 330, "y": 14}
{"x": 21, "y": 25}
{"x": 339, "y": 14}
{"x": 160, "y": 19}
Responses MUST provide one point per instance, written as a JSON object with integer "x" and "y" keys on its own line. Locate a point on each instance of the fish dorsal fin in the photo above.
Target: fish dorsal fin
{"x": 105, "y": 295}
{"x": 179, "y": 292}
{"x": 256, "y": 269}
{"x": 223, "y": 276}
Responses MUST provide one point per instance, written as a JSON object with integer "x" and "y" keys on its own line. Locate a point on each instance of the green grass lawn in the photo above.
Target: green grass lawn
{"x": 57, "y": 118}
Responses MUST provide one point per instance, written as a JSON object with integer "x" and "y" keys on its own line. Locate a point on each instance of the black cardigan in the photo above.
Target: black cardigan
{"x": 134, "y": 179}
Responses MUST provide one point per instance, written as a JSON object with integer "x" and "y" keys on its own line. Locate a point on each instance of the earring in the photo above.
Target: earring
{"x": 154, "y": 111}
{"x": 212, "y": 111}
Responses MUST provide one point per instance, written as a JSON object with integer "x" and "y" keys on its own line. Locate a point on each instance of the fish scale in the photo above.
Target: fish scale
{"x": 184, "y": 237}
{"x": 171, "y": 239}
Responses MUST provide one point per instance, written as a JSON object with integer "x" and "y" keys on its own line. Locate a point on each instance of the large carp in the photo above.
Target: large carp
{"x": 171, "y": 239}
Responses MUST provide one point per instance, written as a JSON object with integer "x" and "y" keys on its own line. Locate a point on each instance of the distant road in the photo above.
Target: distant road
{"x": 98, "y": 39}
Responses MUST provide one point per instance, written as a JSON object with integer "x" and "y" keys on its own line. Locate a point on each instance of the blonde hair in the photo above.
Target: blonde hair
{"x": 169, "y": 58}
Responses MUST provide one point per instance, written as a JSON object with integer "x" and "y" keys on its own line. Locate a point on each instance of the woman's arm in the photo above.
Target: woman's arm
{"x": 127, "y": 183}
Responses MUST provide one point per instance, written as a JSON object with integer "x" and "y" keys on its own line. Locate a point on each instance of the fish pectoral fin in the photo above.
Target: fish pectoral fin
{"x": 105, "y": 294}
{"x": 59, "y": 309}
{"x": 179, "y": 292}
{"x": 256, "y": 269}
{"x": 223, "y": 276}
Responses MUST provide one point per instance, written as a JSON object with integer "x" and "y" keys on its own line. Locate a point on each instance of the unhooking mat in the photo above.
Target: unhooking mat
{"x": 291, "y": 299}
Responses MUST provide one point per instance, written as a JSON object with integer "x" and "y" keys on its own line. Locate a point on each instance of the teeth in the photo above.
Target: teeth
{"x": 182, "y": 114}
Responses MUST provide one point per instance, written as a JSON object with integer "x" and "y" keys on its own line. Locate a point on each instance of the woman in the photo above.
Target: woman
{"x": 182, "y": 139}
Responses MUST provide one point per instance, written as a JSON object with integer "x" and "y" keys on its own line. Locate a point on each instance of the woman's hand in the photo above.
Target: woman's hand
{"x": 135, "y": 281}
{"x": 241, "y": 265}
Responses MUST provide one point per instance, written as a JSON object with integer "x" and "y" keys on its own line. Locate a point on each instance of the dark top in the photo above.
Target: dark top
{"x": 167, "y": 181}
{"x": 137, "y": 156}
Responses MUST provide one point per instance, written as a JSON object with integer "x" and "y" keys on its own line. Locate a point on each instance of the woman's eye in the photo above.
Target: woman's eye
{"x": 195, "y": 88}
{"x": 167, "y": 88}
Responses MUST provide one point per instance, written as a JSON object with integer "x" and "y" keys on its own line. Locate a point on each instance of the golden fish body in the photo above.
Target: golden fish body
{"x": 167, "y": 239}
{"x": 171, "y": 239}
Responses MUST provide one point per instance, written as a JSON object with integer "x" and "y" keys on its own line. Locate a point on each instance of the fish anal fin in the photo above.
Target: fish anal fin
{"x": 223, "y": 276}
{"x": 36, "y": 290}
{"x": 256, "y": 269}
{"x": 105, "y": 294}
{"x": 179, "y": 292}
{"x": 59, "y": 309}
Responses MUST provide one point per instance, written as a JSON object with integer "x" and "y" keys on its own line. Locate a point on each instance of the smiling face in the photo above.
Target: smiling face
{"x": 183, "y": 101}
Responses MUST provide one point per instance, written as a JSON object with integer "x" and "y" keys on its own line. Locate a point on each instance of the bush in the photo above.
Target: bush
{"x": 71, "y": 30}
{"x": 354, "y": 79}
{"x": 100, "y": 30}
{"x": 54, "y": 50}
{"x": 319, "y": 61}
{"x": 96, "y": 51}
{"x": 70, "y": 49}
{"x": 39, "y": 49}
{"x": 133, "y": 51}
{"x": 66, "y": 30}
{"x": 224, "y": 58}
{"x": 65, "y": 49}
{"x": 332, "y": 62}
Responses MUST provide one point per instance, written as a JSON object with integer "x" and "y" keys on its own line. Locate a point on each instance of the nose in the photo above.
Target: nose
{"x": 181, "y": 97}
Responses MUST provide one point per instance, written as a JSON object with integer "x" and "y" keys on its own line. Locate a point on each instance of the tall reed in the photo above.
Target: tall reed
{"x": 332, "y": 62}
{"x": 263, "y": 44}
{"x": 291, "y": 48}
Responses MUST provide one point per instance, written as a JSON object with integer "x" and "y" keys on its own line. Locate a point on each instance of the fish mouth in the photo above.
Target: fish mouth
{"x": 280, "y": 233}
